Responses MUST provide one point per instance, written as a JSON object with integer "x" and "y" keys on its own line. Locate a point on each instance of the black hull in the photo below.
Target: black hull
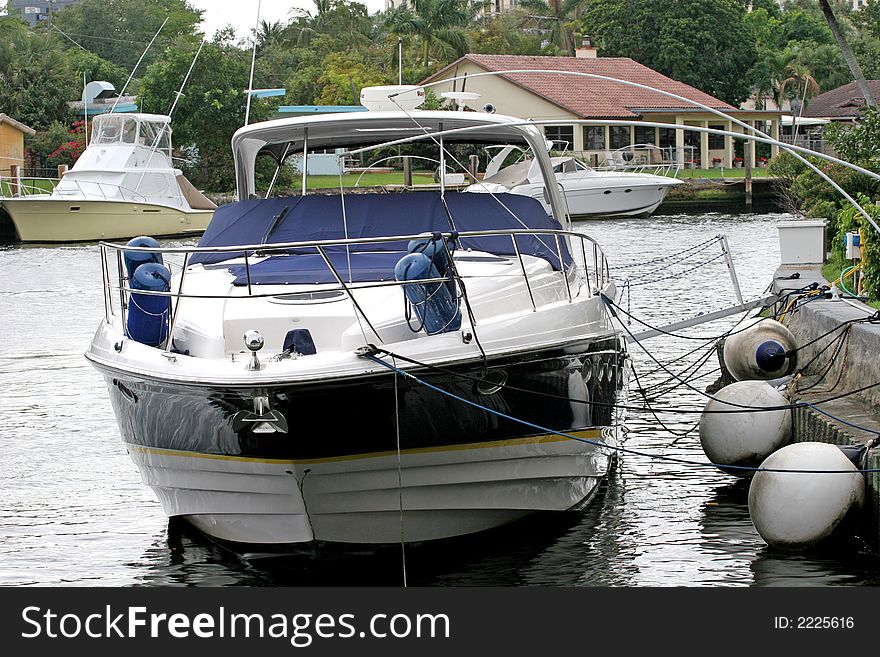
{"x": 345, "y": 418}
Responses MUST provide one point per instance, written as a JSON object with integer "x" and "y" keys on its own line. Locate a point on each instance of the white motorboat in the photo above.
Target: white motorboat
{"x": 365, "y": 367}
{"x": 124, "y": 184}
{"x": 587, "y": 192}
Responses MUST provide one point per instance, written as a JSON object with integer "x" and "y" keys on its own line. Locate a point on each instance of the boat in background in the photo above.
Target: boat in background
{"x": 588, "y": 192}
{"x": 124, "y": 184}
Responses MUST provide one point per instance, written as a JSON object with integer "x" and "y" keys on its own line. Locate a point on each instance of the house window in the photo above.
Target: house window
{"x": 620, "y": 136}
{"x": 716, "y": 142}
{"x": 644, "y": 135}
{"x": 594, "y": 137}
{"x": 560, "y": 133}
{"x": 667, "y": 137}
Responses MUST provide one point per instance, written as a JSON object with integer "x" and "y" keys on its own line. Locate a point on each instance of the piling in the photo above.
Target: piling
{"x": 15, "y": 182}
{"x": 407, "y": 172}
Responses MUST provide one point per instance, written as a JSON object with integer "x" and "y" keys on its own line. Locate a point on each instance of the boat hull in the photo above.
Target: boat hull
{"x": 635, "y": 200}
{"x": 337, "y": 474}
{"x": 71, "y": 220}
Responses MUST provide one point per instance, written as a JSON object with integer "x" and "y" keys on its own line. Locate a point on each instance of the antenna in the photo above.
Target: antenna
{"x": 247, "y": 111}
{"x": 400, "y": 60}
{"x": 136, "y": 66}
{"x": 177, "y": 95}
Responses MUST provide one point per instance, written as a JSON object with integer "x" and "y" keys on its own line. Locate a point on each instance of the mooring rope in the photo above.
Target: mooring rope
{"x": 616, "y": 448}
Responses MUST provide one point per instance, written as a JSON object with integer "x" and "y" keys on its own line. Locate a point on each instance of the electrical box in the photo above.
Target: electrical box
{"x": 853, "y": 245}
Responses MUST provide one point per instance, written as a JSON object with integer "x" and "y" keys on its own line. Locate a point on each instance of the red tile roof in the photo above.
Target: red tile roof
{"x": 592, "y": 98}
{"x": 846, "y": 101}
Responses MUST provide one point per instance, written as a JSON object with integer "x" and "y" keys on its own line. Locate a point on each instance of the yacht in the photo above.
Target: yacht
{"x": 124, "y": 184}
{"x": 366, "y": 367}
{"x": 587, "y": 192}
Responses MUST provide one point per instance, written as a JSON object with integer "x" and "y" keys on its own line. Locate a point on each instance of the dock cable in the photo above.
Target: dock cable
{"x": 372, "y": 350}
{"x": 671, "y": 264}
{"x": 371, "y": 355}
{"x": 707, "y": 338}
{"x": 696, "y": 247}
{"x": 799, "y": 404}
{"x": 839, "y": 341}
{"x": 678, "y": 274}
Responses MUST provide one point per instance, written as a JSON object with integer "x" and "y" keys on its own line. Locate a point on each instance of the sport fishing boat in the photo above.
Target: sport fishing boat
{"x": 587, "y": 192}
{"x": 365, "y": 367}
{"x": 124, "y": 184}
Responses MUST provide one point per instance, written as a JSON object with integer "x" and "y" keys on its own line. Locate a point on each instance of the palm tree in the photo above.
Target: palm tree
{"x": 269, "y": 33}
{"x": 767, "y": 75}
{"x": 805, "y": 86}
{"x": 438, "y": 24}
{"x": 854, "y": 67}
{"x": 559, "y": 12}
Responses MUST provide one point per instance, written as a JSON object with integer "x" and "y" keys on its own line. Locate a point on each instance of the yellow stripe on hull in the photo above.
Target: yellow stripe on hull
{"x": 587, "y": 434}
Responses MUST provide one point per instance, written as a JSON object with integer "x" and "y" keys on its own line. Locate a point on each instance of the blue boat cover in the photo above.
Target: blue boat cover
{"x": 320, "y": 217}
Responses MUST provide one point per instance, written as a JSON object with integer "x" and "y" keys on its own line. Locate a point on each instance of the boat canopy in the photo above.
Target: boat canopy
{"x": 334, "y": 217}
{"x": 328, "y": 132}
{"x": 150, "y": 130}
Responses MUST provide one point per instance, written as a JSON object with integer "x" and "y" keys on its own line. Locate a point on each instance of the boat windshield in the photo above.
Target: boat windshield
{"x": 155, "y": 134}
{"x": 114, "y": 129}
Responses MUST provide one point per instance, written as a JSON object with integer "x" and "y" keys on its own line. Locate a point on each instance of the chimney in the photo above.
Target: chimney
{"x": 586, "y": 49}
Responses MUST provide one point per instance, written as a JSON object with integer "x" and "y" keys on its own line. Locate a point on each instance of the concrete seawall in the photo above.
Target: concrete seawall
{"x": 843, "y": 361}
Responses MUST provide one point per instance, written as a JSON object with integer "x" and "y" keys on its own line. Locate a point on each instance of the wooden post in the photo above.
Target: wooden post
{"x": 15, "y": 183}
{"x": 407, "y": 172}
{"x": 747, "y": 161}
{"x": 62, "y": 169}
{"x": 473, "y": 167}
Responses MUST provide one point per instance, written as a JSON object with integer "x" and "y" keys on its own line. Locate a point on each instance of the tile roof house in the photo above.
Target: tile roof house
{"x": 12, "y": 134}
{"x": 547, "y": 96}
{"x": 842, "y": 104}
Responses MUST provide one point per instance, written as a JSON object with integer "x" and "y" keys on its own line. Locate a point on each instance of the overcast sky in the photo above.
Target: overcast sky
{"x": 242, "y": 14}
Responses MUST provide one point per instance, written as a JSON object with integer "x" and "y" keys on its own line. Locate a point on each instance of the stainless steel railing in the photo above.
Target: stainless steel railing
{"x": 591, "y": 268}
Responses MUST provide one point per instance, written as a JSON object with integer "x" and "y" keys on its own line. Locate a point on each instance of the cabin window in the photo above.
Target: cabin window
{"x": 620, "y": 136}
{"x": 560, "y": 133}
{"x": 155, "y": 134}
{"x": 114, "y": 129}
{"x": 594, "y": 137}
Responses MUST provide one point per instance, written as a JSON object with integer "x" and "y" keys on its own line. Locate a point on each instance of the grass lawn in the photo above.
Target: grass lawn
{"x": 27, "y": 186}
{"x": 736, "y": 172}
{"x": 366, "y": 180}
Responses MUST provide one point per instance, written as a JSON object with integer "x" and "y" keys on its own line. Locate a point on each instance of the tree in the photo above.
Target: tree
{"x": 847, "y": 53}
{"x": 211, "y": 110}
{"x": 439, "y": 25}
{"x": 35, "y": 79}
{"x": 561, "y": 14}
{"x": 119, "y": 30}
{"x": 704, "y": 43}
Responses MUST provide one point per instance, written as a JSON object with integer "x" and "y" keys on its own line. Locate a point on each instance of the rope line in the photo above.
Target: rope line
{"x": 596, "y": 443}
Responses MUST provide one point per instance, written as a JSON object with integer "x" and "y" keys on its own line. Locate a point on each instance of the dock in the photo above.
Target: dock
{"x": 834, "y": 372}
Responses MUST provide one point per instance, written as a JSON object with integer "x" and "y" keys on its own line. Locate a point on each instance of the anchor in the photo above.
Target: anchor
{"x": 262, "y": 420}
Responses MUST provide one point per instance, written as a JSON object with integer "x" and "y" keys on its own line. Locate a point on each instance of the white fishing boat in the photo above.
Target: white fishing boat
{"x": 366, "y": 367}
{"x": 587, "y": 192}
{"x": 124, "y": 184}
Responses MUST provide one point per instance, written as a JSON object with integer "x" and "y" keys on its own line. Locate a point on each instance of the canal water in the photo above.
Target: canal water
{"x": 74, "y": 512}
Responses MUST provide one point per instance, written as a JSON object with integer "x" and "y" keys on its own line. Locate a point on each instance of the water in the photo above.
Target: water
{"x": 74, "y": 511}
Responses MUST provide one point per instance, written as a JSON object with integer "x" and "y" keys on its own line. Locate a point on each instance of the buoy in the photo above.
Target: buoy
{"x": 134, "y": 259}
{"x": 148, "y": 314}
{"x": 745, "y": 438}
{"x": 762, "y": 351}
{"x": 797, "y": 510}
